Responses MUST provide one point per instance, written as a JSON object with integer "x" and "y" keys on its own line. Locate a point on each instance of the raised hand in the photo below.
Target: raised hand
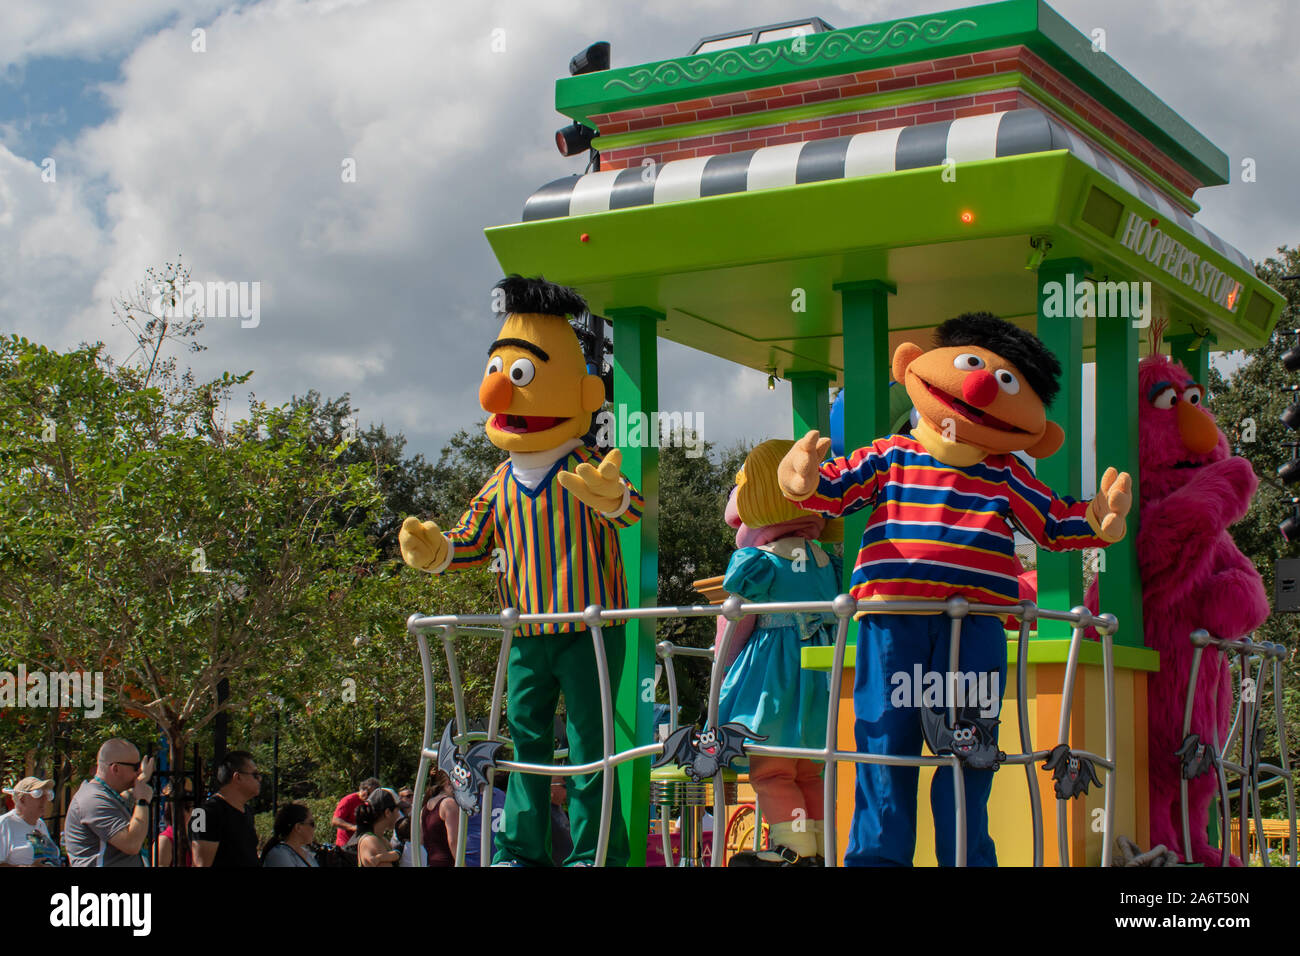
{"x": 1111, "y": 504}
{"x": 598, "y": 487}
{"x": 141, "y": 790}
{"x": 799, "y": 472}
{"x": 423, "y": 544}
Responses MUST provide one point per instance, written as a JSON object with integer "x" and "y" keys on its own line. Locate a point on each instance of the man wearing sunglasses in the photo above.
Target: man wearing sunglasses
{"x": 102, "y": 827}
{"x": 222, "y": 828}
{"x": 24, "y": 841}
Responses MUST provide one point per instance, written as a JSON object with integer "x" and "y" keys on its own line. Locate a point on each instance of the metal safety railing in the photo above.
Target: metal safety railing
{"x": 733, "y": 609}
{"x": 1245, "y": 733}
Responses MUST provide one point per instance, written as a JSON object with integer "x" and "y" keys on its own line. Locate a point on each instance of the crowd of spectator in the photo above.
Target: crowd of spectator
{"x": 108, "y": 821}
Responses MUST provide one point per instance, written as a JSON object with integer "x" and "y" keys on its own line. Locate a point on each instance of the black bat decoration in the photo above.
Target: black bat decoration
{"x": 1198, "y": 757}
{"x": 972, "y": 739}
{"x": 703, "y": 753}
{"x": 468, "y": 772}
{"x": 1071, "y": 773}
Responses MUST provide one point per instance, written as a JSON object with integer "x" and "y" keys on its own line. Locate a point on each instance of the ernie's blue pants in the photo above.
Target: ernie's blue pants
{"x": 886, "y": 722}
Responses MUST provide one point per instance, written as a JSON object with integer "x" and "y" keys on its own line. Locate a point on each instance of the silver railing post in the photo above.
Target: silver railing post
{"x": 1284, "y": 759}
{"x": 665, "y": 649}
{"x": 591, "y": 616}
{"x": 957, "y": 609}
{"x": 1112, "y": 749}
{"x": 844, "y": 607}
{"x": 1028, "y": 614}
{"x": 1063, "y": 727}
{"x": 422, "y": 771}
{"x": 731, "y": 611}
{"x": 1192, "y": 674}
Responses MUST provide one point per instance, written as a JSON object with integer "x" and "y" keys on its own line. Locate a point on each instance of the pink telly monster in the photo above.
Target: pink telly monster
{"x": 1192, "y": 488}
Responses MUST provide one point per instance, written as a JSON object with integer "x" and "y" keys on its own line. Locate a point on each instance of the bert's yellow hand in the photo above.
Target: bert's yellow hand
{"x": 1108, "y": 509}
{"x": 423, "y": 545}
{"x": 600, "y": 488}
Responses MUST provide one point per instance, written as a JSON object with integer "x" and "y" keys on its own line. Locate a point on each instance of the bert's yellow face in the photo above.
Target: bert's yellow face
{"x": 973, "y": 395}
{"x": 536, "y": 387}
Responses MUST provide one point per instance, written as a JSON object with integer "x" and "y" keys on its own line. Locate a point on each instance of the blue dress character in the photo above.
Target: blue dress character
{"x": 765, "y": 687}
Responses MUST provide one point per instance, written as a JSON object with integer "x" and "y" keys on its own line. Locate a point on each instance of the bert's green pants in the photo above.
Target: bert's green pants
{"x": 540, "y": 667}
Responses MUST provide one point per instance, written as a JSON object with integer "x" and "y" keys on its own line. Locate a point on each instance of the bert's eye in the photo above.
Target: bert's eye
{"x": 967, "y": 362}
{"x": 1007, "y": 381}
{"x": 494, "y": 366}
{"x": 1193, "y": 395}
{"x": 522, "y": 371}
{"x": 1165, "y": 398}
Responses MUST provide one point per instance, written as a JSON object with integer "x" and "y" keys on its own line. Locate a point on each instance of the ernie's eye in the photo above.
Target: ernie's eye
{"x": 522, "y": 371}
{"x": 494, "y": 366}
{"x": 967, "y": 362}
{"x": 1193, "y": 395}
{"x": 1165, "y": 398}
{"x": 1007, "y": 381}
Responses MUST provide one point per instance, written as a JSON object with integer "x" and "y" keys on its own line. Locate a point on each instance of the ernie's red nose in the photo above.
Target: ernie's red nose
{"x": 979, "y": 389}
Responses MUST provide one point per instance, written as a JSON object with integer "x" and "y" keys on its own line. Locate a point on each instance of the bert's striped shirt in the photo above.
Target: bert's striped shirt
{"x": 556, "y": 554}
{"x": 938, "y": 530}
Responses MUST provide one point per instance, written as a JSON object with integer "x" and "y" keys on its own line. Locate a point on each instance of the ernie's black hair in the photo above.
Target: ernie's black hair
{"x": 538, "y": 297}
{"x": 1022, "y": 349}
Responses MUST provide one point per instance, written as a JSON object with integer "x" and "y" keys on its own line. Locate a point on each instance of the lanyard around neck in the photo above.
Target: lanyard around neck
{"x": 116, "y": 796}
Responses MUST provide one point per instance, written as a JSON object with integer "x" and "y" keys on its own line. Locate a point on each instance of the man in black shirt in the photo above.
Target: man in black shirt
{"x": 222, "y": 828}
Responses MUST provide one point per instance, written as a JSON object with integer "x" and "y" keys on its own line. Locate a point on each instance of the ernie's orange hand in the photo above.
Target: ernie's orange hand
{"x": 1111, "y": 505}
{"x": 800, "y": 470}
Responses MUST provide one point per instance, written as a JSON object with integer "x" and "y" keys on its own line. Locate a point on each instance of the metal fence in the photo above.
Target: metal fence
{"x": 1245, "y": 734}
{"x": 504, "y": 625}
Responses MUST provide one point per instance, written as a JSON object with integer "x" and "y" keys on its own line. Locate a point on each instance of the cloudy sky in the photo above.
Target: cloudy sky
{"x": 232, "y": 158}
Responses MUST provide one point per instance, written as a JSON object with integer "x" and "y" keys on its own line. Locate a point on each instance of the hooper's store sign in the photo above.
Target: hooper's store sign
{"x": 1203, "y": 278}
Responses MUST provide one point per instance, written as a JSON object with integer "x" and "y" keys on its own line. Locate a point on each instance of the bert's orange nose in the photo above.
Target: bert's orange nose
{"x": 979, "y": 388}
{"x": 496, "y": 393}
{"x": 1197, "y": 429}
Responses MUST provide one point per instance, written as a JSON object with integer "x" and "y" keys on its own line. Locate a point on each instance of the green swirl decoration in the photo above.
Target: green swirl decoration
{"x": 832, "y": 46}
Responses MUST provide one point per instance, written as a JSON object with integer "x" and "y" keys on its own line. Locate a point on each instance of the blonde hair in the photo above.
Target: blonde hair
{"x": 759, "y": 500}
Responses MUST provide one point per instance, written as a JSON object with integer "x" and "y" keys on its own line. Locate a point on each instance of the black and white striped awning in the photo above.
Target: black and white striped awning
{"x": 988, "y": 136}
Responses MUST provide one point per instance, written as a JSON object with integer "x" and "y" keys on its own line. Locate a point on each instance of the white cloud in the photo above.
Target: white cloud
{"x": 88, "y": 28}
{"x": 380, "y": 287}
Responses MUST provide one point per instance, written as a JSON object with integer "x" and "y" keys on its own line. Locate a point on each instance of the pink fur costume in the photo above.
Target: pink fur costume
{"x": 1191, "y": 490}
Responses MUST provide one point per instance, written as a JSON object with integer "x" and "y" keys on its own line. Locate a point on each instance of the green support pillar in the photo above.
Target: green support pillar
{"x": 636, "y": 389}
{"x": 1117, "y": 446}
{"x": 1060, "y": 574}
{"x": 810, "y": 401}
{"x": 865, "y": 321}
{"x": 1193, "y": 351}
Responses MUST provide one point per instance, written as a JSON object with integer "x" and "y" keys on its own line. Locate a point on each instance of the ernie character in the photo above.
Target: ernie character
{"x": 944, "y": 502}
{"x": 550, "y": 515}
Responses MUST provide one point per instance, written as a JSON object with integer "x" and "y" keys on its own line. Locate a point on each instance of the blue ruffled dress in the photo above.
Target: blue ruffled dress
{"x": 766, "y": 689}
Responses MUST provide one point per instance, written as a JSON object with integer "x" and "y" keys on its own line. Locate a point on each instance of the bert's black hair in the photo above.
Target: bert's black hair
{"x": 1022, "y": 349}
{"x": 538, "y": 297}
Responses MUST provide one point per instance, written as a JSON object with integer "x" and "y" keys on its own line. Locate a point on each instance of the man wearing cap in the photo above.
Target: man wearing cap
{"x": 24, "y": 841}
{"x": 103, "y": 828}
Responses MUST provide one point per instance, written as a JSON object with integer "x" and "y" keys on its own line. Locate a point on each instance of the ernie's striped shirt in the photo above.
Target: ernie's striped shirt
{"x": 556, "y": 555}
{"x": 937, "y": 530}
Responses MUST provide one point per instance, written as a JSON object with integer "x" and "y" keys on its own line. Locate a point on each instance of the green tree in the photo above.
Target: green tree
{"x": 1248, "y": 402}
{"x": 154, "y": 542}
